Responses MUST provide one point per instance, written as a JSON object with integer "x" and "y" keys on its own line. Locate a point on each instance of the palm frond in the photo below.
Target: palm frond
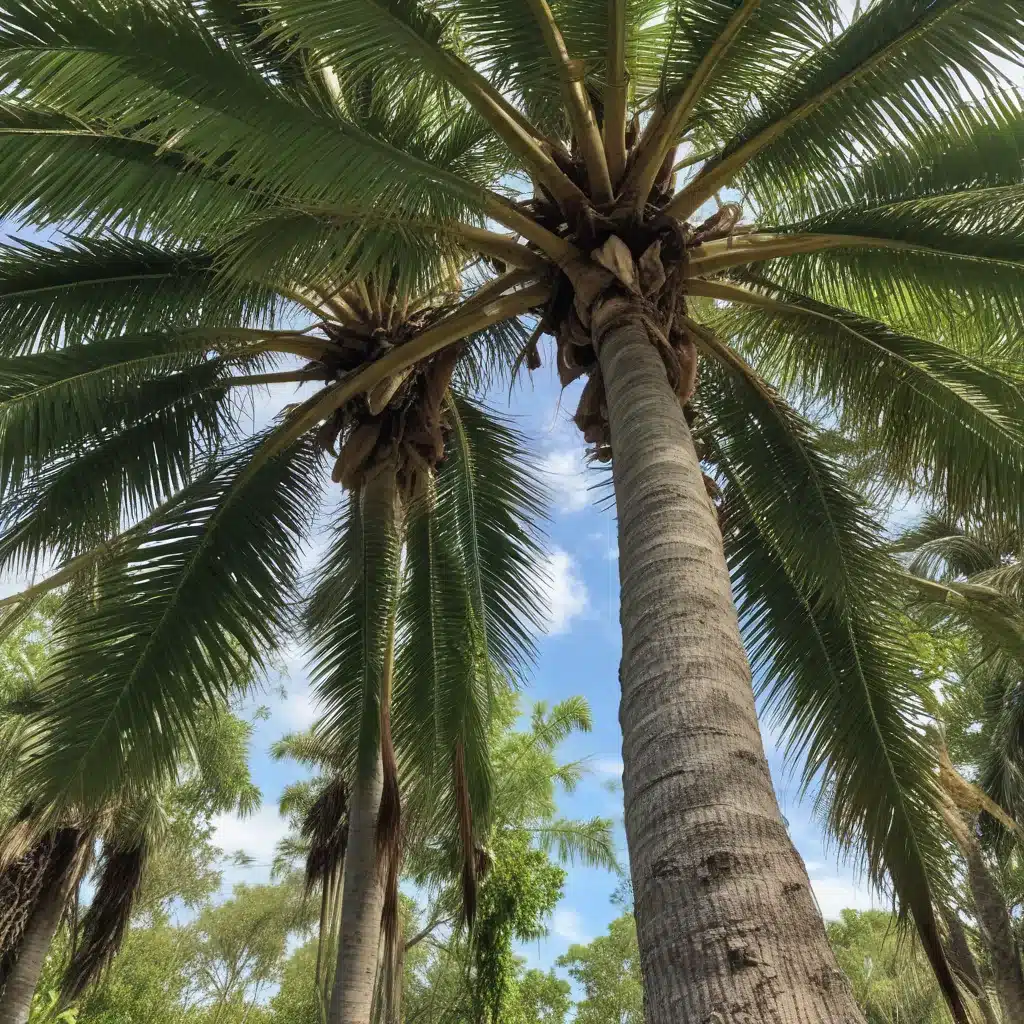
{"x": 486, "y": 493}
{"x": 174, "y": 622}
{"x": 162, "y": 76}
{"x": 90, "y": 491}
{"x": 939, "y": 422}
{"x": 901, "y": 62}
{"x": 357, "y": 586}
{"x": 589, "y": 842}
{"x": 107, "y": 919}
{"x": 812, "y": 590}
{"x": 64, "y": 293}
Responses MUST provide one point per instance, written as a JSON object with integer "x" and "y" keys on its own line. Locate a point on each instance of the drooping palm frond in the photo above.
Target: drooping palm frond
{"x": 942, "y": 423}
{"x": 108, "y": 917}
{"x": 64, "y": 293}
{"x": 174, "y": 621}
{"x": 812, "y": 592}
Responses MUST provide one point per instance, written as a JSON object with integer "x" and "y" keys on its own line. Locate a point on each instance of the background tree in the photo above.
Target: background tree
{"x": 892, "y": 979}
{"x": 872, "y": 272}
{"x": 608, "y": 969}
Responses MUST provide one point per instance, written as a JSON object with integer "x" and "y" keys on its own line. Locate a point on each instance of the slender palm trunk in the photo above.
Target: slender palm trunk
{"x": 996, "y": 932}
{"x": 362, "y": 899}
{"x": 727, "y": 925}
{"x": 16, "y": 999}
{"x": 962, "y": 961}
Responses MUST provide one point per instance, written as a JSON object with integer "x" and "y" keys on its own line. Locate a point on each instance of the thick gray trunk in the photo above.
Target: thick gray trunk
{"x": 728, "y": 928}
{"x": 16, "y": 999}
{"x": 361, "y": 904}
{"x": 997, "y": 933}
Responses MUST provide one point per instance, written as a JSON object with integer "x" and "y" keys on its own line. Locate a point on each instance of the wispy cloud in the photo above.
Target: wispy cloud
{"x": 611, "y": 766}
{"x": 566, "y": 592}
{"x": 565, "y": 472}
{"x": 257, "y": 835}
{"x": 567, "y": 924}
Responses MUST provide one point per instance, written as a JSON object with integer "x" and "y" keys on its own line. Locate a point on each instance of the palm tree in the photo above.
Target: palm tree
{"x": 865, "y": 247}
{"x": 216, "y": 521}
{"x": 522, "y": 809}
{"x": 967, "y": 576}
{"x": 45, "y": 859}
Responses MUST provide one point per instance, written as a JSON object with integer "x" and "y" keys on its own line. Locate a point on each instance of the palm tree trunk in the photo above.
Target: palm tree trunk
{"x": 961, "y": 959}
{"x": 362, "y": 899}
{"x": 361, "y": 904}
{"x": 727, "y": 925}
{"x": 16, "y": 999}
{"x": 996, "y": 932}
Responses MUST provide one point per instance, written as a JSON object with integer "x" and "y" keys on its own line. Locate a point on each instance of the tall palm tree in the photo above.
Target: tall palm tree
{"x": 866, "y": 246}
{"x": 183, "y": 557}
{"x": 527, "y": 773}
{"x": 968, "y": 575}
{"x": 46, "y": 859}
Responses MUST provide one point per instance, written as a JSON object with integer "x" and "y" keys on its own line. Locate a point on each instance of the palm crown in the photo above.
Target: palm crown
{"x": 863, "y": 260}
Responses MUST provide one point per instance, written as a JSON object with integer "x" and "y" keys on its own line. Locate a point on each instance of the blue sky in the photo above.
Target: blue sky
{"x": 579, "y": 654}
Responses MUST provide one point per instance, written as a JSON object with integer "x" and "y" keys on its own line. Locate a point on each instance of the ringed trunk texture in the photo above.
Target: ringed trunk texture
{"x": 16, "y": 998}
{"x": 362, "y": 898}
{"x": 361, "y": 903}
{"x": 996, "y": 932}
{"x": 728, "y": 928}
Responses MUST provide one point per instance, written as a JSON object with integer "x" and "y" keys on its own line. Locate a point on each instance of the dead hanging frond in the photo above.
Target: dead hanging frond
{"x": 54, "y": 864}
{"x": 325, "y": 829}
{"x": 469, "y": 856}
{"x": 108, "y": 916}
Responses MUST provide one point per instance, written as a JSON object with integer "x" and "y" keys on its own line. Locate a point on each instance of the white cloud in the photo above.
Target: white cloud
{"x": 566, "y": 592}
{"x": 567, "y": 924}
{"x": 836, "y": 894}
{"x": 566, "y": 474}
{"x": 256, "y": 835}
{"x": 607, "y": 766}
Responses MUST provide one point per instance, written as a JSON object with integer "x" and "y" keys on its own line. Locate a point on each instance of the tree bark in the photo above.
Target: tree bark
{"x": 996, "y": 931}
{"x": 16, "y": 999}
{"x": 961, "y": 959}
{"x": 362, "y": 901}
{"x": 728, "y": 929}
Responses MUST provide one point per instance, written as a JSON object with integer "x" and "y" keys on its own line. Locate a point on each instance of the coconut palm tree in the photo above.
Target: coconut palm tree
{"x": 527, "y": 773}
{"x": 185, "y": 511}
{"x": 967, "y": 576}
{"x": 863, "y": 262}
{"x": 45, "y": 858}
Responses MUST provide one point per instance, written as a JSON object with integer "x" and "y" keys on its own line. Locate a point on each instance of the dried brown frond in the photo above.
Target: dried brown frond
{"x": 108, "y": 917}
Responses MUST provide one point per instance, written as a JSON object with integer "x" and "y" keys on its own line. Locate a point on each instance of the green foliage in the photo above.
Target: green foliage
{"x": 517, "y": 896}
{"x": 891, "y": 977}
{"x": 608, "y": 969}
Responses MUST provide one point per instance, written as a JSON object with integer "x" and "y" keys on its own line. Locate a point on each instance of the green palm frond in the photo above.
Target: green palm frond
{"x": 52, "y": 402}
{"x": 62, "y": 294}
{"x": 85, "y": 496}
{"x": 902, "y": 62}
{"x": 939, "y": 422}
{"x": 173, "y": 623}
{"x": 444, "y": 682}
{"x": 487, "y": 493}
{"x": 162, "y": 74}
{"x": 777, "y": 35}
{"x": 356, "y": 590}
{"x": 812, "y": 589}
{"x": 973, "y": 150}
{"x": 589, "y": 842}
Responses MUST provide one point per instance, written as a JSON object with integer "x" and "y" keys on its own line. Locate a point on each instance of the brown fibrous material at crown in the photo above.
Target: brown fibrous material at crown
{"x": 410, "y": 429}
